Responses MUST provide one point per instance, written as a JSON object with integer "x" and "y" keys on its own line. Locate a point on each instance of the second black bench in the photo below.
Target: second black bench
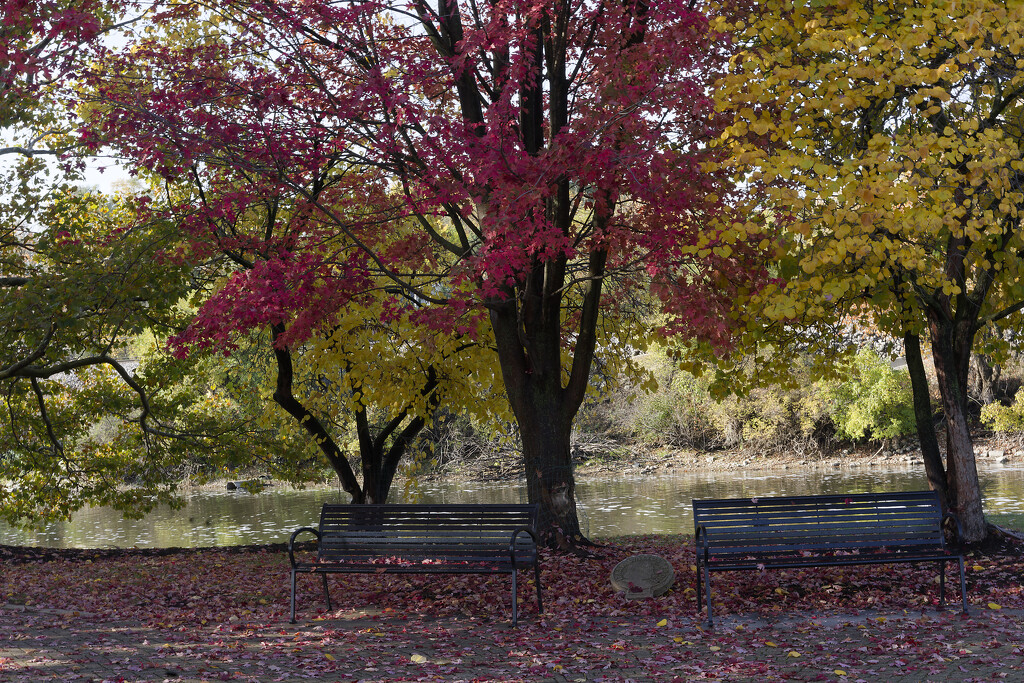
{"x": 816, "y": 531}
{"x": 422, "y": 539}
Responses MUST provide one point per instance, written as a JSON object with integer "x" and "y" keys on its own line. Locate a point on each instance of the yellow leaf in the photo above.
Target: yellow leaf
{"x": 330, "y": 657}
{"x": 418, "y": 658}
{"x": 663, "y": 622}
{"x": 760, "y": 127}
{"x": 993, "y": 605}
{"x": 770, "y": 643}
{"x": 839, "y": 672}
{"x": 792, "y": 653}
{"x": 714, "y": 648}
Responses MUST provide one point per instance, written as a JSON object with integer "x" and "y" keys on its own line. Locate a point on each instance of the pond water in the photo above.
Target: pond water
{"x": 608, "y": 507}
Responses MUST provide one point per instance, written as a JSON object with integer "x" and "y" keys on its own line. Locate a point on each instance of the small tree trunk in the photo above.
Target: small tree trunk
{"x": 986, "y": 375}
{"x": 284, "y": 396}
{"x": 933, "y": 466}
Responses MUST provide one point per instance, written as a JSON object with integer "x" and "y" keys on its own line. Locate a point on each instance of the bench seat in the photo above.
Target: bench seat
{"x": 815, "y": 531}
{"x": 422, "y": 539}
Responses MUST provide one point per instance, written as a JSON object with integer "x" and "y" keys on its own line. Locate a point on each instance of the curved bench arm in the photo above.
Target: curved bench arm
{"x": 512, "y": 543}
{"x": 701, "y": 541}
{"x": 958, "y": 531}
{"x": 291, "y": 542}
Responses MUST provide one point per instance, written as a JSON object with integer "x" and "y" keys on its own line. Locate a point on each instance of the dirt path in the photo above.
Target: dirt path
{"x": 216, "y": 615}
{"x": 917, "y": 646}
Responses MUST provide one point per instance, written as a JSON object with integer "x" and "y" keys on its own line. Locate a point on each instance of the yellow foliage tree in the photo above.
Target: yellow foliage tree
{"x": 882, "y": 142}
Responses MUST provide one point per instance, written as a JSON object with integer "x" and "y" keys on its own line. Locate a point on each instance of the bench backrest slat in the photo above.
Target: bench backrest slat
{"x": 413, "y": 532}
{"x": 829, "y": 522}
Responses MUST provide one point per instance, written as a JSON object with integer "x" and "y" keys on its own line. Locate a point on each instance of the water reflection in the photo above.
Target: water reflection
{"x": 608, "y": 506}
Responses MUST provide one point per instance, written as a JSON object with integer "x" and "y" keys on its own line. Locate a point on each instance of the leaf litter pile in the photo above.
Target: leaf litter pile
{"x": 222, "y": 615}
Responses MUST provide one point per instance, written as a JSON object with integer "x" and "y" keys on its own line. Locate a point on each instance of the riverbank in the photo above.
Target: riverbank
{"x": 604, "y": 459}
{"x": 608, "y": 459}
{"x": 222, "y": 615}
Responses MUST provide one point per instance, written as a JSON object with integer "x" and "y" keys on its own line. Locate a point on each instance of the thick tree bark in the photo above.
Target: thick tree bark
{"x": 545, "y": 424}
{"x": 549, "y": 472}
{"x": 528, "y": 332}
{"x": 951, "y": 346}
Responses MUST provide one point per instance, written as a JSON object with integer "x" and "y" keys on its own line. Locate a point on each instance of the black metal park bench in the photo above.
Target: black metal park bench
{"x": 817, "y": 531}
{"x": 422, "y": 539}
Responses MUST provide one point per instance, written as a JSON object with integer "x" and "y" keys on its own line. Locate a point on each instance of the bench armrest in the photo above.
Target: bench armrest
{"x": 958, "y": 532}
{"x": 512, "y": 543}
{"x": 701, "y": 541}
{"x": 291, "y": 542}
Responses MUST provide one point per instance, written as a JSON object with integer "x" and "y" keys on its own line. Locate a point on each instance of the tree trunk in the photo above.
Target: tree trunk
{"x": 284, "y": 396}
{"x": 951, "y": 364}
{"x": 380, "y": 460}
{"x": 545, "y": 417}
{"x": 986, "y": 375}
{"x": 528, "y": 334}
{"x": 549, "y": 472}
{"x": 380, "y": 452}
{"x": 923, "y": 417}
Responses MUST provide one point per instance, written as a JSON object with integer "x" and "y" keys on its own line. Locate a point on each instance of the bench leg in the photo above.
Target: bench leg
{"x": 942, "y": 584}
{"x": 707, "y": 594}
{"x": 963, "y": 585}
{"x": 292, "y": 620}
{"x": 515, "y": 615}
{"x": 327, "y": 593}
{"x": 536, "y": 577}
{"x": 700, "y": 588}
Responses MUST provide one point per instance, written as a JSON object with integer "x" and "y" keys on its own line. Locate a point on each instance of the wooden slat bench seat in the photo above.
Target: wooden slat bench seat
{"x": 422, "y": 539}
{"x": 816, "y": 531}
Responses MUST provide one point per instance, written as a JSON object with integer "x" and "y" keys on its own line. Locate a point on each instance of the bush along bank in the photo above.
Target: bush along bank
{"x": 865, "y": 419}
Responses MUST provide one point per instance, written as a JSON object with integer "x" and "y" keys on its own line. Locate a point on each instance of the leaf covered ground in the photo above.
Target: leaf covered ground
{"x": 213, "y": 615}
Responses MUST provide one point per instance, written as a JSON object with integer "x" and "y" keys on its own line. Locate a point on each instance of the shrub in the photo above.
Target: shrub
{"x": 874, "y": 401}
{"x": 1005, "y": 419}
{"x": 679, "y": 412}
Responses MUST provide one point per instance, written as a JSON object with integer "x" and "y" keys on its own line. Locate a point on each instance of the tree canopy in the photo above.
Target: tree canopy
{"x": 885, "y": 139}
{"x": 91, "y": 287}
{"x": 549, "y": 156}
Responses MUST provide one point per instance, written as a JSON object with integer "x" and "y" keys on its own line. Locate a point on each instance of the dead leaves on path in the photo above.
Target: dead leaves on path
{"x": 223, "y": 616}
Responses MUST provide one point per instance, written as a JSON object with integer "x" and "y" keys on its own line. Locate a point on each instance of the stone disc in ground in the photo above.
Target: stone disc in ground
{"x": 643, "y": 576}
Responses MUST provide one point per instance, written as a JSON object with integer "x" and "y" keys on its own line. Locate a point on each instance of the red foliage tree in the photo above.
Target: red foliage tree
{"x": 551, "y": 153}
{"x": 43, "y": 43}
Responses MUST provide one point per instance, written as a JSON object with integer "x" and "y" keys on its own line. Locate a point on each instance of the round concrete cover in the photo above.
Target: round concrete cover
{"x": 643, "y": 576}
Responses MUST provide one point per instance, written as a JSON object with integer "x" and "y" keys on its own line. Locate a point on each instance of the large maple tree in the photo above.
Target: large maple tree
{"x": 888, "y": 140}
{"x": 291, "y": 229}
{"x": 93, "y": 411}
{"x": 551, "y": 156}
